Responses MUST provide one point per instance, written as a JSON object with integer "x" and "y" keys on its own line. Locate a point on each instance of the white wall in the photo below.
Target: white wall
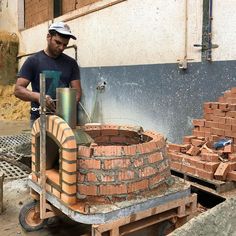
{"x": 133, "y": 32}
{"x": 224, "y": 30}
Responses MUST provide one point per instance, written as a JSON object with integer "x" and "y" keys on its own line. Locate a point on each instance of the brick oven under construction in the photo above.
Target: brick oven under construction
{"x": 107, "y": 176}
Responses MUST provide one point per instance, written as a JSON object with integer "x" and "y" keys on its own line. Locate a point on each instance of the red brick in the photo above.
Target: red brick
{"x": 212, "y": 124}
{"x": 155, "y": 157}
{"x": 211, "y": 166}
{"x": 117, "y": 163}
{"x": 125, "y": 175}
{"x": 153, "y": 181}
{"x": 207, "y": 116}
{"x": 231, "y": 176}
{"x": 68, "y": 199}
{"x": 199, "y": 122}
{"x": 84, "y": 151}
{"x": 228, "y": 149}
{"x": 188, "y": 169}
{"x": 199, "y": 133}
{"x": 218, "y": 112}
{"x": 207, "y": 105}
{"x": 175, "y": 165}
{"x": 175, "y": 156}
{"x": 224, "y": 106}
{"x": 91, "y": 177}
{"x": 147, "y": 171}
{"x": 137, "y": 186}
{"x": 108, "y": 178}
{"x": 232, "y": 157}
{"x": 69, "y": 189}
{"x": 204, "y": 174}
{"x": 187, "y": 139}
{"x": 232, "y": 107}
{"x": 197, "y": 142}
{"x": 221, "y": 171}
{"x": 231, "y": 114}
{"x": 87, "y": 189}
{"x": 112, "y": 189}
{"x": 193, "y": 151}
{"x": 129, "y": 150}
{"x": 232, "y": 166}
{"x": 210, "y": 157}
{"x": 217, "y": 131}
{"x": 200, "y": 164}
{"x": 138, "y": 162}
{"x": 173, "y": 147}
{"x": 225, "y": 127}
{"x": 89, "y": 164}
{"x": 81, "y": 178}
{"x": 188, "y": 160}
{"x": 107, "y": 151}
{"x": 214, "y": 105}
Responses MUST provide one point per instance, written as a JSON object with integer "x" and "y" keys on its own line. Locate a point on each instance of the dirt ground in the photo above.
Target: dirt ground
{"x": 220, "y": 220}
{"x": 16, "y": 194}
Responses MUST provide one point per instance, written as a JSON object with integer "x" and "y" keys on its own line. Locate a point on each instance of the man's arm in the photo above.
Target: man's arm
{"x": 23, "y": 93}
{"x": 76, "y": 84}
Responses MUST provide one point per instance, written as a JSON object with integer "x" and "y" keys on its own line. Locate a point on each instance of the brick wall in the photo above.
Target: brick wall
{"x": 122, "y": 162}
{"x": 197, "y": 155}
{"x": 39, "y": 11}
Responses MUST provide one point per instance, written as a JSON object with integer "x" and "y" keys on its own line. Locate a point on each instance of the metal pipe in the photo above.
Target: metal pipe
{"x": 186, "y": 31}
{"x": 66, "y": 106}
{"x": 209, "y": 52}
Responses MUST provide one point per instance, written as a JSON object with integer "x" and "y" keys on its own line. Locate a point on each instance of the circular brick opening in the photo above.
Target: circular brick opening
{"x": 122, "y": 162}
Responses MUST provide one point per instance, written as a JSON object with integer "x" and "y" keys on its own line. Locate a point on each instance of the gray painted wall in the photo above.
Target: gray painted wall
{"x": 158, "y": 97}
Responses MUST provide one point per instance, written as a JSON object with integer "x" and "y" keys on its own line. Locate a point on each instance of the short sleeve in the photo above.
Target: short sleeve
{"x": 75, "y": 71}
{"x": 27, "y": 70}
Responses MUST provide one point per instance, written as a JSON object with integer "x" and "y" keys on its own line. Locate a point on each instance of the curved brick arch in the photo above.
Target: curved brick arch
{"x": 63, "y": 136}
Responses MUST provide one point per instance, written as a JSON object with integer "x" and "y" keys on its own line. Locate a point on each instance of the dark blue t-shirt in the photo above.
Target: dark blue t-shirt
{"x": 59, "y": 72}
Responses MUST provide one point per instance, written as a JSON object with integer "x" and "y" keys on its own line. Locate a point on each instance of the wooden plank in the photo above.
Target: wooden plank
{"x": 146, "y": 222}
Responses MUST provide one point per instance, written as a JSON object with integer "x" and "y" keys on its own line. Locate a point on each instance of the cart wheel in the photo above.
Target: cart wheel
{"x": 30, "y": 219}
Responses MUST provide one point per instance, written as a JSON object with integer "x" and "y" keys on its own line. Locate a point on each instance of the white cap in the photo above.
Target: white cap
{"x": 62, "y": 28}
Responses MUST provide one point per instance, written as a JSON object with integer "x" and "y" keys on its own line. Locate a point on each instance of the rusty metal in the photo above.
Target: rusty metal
{"x": 42, "y": 146}
{"x": 1, "y": 191}
{"x": 67, "y": 106}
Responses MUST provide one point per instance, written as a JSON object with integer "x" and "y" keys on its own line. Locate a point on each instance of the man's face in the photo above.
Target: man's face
{"x": 56, "y": 44}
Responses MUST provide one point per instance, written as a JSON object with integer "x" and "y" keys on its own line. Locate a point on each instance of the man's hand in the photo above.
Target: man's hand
{"x": 50, "y": 105}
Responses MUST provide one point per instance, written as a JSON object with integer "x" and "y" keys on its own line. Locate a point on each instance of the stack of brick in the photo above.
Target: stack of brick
{"x": 197, "y": 155}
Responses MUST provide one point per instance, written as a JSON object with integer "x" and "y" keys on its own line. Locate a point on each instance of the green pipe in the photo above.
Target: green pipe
{"x": 66, "y": 106}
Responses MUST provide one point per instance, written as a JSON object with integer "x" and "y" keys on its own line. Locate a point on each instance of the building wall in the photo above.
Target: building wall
{"x": 136, "y": 48}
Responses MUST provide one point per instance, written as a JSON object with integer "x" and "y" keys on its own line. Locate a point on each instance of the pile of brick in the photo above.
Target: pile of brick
{"x": 197, "y": 155}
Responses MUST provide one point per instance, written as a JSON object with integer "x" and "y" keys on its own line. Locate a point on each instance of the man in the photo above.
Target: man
{"x": 60, "y": 70}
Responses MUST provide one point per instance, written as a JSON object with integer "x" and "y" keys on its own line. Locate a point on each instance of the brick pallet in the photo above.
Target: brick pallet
{"x": 197, "y": 157}
{"x": 175, "y": 211}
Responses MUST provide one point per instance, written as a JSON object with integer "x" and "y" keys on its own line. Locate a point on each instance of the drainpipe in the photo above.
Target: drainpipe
{"x": 209, "y": 54}
{"x": 183, "y": 64}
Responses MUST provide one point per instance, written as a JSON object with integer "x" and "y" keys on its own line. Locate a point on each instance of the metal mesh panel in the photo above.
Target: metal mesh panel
{"x": 11, "y": 171}
{"x": 14, "y": 140}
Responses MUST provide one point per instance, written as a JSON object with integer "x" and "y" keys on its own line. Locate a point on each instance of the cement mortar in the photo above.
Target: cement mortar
{"x": 218, "y": 221}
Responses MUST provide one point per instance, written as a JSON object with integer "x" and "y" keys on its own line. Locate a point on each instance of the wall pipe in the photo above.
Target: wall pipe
{"x": 209, "y": 54}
